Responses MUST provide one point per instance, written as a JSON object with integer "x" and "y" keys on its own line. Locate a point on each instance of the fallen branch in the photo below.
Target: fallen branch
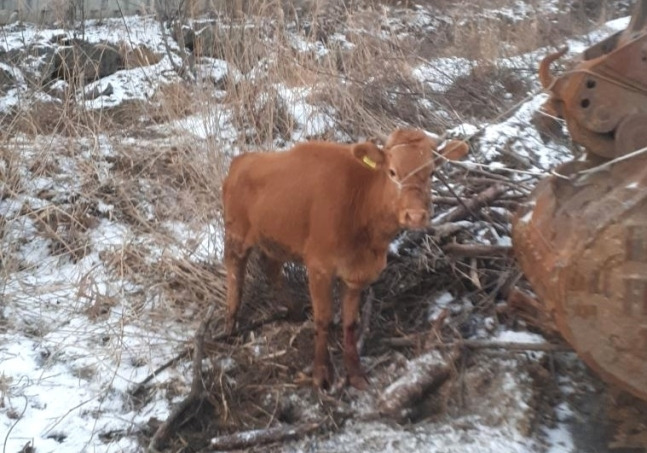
{"x": 507, "y": 202}
{"x": 477, "y": 250}
{"x": 507, "y": 345}
{"x": 182, "y": 354}
{"x": 448, "y": 229}
{"x": 454, "y": 194}
{"x": 474, "y": 204}
{"x": 167, "y": 428}
{"x": 248, "y": 439}
{"x": 423, "y": 374}
{"x": 187, "y": 349}
{"x": 480, "y": 344}
{"x": 182, "y": 71}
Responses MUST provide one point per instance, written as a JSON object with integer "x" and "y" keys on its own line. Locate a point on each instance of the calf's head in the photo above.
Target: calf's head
{"x": 408, "y": 161}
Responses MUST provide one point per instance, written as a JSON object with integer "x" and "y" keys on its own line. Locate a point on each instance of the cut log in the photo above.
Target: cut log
{"x": 473, "y": 204}
{"x": 248, "y": 439}
{"x": 422, "y": 375}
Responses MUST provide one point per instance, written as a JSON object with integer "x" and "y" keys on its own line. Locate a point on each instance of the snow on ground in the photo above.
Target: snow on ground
{"x": 310, "y": 121}
{"x": 133, "y": 29}
{"x": 499, "y": 419}
{"x": 127, "y": 84}
{"x": 67, "y": 364}
{"x": 461, "y": 436}
{"x": 80, "y": 336}
{"x": 520, "y": 142}
{"x": 67, "y": 376}
{"x": 439, "y": 74}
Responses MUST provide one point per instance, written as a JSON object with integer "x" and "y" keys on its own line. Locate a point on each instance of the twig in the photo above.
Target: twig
{"x": 13, "y": 425}
{"x": 454, "y": 194}
{"x": 188, "y": 75}
{"x": 610, "y": 163}
{"x": 278, "y": 316}
{"x": 477, "y": 250}
{"x": 182, "y": 354}
{"x": 530, "y": 309}
{"x": 248, "y": 439}
{"x": 187, "y": 349}
{"x": 503, "y": 201}
{"x": 197, "y": 388}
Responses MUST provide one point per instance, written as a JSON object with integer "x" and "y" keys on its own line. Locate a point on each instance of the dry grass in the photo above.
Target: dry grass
{"x": 364, "y": 81}
{"x": 126, "y": 166}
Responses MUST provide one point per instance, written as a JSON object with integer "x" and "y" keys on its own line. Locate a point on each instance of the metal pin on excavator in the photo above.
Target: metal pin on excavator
{"x": 582, "y": 242}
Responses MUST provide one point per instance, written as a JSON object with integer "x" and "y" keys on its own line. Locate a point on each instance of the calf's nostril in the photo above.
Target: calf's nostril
{"x": 415, "y": 217}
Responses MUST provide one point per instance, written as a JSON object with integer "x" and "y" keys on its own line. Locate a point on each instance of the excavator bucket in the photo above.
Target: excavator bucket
{"x": 582, "y": 240}
{"x": 583, "y": 247}
{"x": 604, "y": 98}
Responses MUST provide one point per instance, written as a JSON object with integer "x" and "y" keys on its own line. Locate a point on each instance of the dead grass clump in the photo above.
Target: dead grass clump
{"x": 182, "y": 183}
{"x": 129, "y": 115}
{"x": 130, "y": 261}
{"x": 182, "y": 288}
{"x": 42, "y": 118}
{"x": 67, "y": 118}
{"x": 252, "y": 379}
{"x": 10, "y": 174}
{"x": 488, "y": 90}
{"x": 371, "y": 87}
{"x": 138, "y": 56}
{"x": 174, "y": 101}
{"x": 124, "y": 198}
{"x": 65, "y": 227}
{"x": 259, "y": 113}
{"x": 191, "y": 285}
{"x": 242, "y": 46}
{"x": 249, "y": 385}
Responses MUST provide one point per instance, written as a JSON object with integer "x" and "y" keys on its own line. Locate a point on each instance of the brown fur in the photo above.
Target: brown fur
{"x": 320, "y": 203}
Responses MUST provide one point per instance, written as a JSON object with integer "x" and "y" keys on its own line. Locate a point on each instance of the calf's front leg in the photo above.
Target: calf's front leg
{"x": 350, "y": 316}
{"x": 320, "y": 285}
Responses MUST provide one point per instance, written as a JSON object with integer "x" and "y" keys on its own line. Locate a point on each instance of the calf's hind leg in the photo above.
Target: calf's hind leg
{"x": 284, "y": 297}
{"x": 236, "y": 255}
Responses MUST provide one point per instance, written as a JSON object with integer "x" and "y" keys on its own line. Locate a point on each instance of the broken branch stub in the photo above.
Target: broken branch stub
{"x": 423, "y": 374}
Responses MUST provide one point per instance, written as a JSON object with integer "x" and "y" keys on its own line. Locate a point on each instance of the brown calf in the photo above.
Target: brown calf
{"x": 335, "y": 208}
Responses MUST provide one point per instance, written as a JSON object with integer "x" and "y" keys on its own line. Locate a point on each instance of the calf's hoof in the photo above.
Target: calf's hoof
{"x": 230, "y": 327}
{"x": 322, "y": 377}
{"x": 359, "y": 381}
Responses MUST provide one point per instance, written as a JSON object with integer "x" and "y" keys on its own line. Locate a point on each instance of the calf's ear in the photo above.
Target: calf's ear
{"x": 453, "y": 150}
{"x": 369, "y": 155}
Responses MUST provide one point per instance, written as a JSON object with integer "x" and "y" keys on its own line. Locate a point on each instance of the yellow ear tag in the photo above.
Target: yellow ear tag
{"x": 369, "y": 162}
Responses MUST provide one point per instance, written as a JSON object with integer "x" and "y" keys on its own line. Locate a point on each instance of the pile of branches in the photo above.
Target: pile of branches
{"x": 465, "y": 257}
{"x": 466, "y": 253}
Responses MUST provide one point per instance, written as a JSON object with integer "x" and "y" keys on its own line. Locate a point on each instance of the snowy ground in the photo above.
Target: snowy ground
{"x": 77, "y": 334}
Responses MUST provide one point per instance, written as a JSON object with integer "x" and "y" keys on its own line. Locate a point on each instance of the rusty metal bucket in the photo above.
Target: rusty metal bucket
{"x": 583, "y": 247}
{"x": 603, "y": 99}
